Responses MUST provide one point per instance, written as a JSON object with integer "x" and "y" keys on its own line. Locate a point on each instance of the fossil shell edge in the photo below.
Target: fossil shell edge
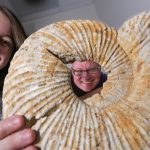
{"x": 38, "y": 86}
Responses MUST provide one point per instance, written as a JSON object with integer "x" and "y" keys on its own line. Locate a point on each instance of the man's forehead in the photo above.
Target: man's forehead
{"x": 84, "y": 63}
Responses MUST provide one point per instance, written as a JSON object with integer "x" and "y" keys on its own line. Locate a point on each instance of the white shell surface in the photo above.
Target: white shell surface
{"x": 38, "y": 86}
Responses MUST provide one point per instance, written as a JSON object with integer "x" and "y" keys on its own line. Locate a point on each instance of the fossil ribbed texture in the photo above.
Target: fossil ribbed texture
{"x": 38, "y": 86}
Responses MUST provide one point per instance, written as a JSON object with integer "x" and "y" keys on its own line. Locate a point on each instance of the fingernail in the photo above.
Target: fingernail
{"x": 26, "y": 135}
{"x": 15, "y": 121}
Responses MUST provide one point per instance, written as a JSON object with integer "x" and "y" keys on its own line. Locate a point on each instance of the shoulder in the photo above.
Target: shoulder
{"x": 103, "y": 77}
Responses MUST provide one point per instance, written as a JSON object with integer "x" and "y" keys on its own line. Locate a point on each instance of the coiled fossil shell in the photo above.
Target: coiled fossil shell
{"x": 38, "y": 85}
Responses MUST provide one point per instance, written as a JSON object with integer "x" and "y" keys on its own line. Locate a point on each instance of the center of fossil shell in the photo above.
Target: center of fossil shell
{"x": 87, "y": 79}
{"x": 97, "y": 85}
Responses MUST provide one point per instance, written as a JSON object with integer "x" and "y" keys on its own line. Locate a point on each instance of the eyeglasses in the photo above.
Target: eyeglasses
{"x": 89, "y": 71}
{"x": 6, "y": 42}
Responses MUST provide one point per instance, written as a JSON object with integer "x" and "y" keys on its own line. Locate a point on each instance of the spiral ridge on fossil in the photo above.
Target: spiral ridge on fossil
{"x": 38, "y": 85}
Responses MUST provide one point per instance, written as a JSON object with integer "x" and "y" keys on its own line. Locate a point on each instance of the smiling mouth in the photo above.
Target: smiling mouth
{"x": 86, "y": 82}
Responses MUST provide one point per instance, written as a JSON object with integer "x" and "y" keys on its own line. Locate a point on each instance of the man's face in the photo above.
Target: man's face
{"x": 86, "y": 75}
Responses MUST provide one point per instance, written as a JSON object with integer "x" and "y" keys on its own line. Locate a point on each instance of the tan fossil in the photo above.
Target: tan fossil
{"x": 38, "y": 85}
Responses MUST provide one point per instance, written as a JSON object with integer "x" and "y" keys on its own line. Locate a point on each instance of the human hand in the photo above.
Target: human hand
{"x": 14, "y": 135}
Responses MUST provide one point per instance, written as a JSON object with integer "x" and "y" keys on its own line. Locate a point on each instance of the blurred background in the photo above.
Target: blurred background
{"x": 35, "y": 14}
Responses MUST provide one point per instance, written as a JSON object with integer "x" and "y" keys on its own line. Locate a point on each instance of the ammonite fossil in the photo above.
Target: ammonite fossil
{"x": 38, "y": 85}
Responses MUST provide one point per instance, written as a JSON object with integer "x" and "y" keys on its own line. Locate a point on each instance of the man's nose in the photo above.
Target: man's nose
{"x": 85, "y": 74}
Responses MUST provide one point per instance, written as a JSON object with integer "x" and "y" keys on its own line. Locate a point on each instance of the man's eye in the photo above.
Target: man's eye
{"x": 93, "y": 70}
{"x": 78, "y": 71}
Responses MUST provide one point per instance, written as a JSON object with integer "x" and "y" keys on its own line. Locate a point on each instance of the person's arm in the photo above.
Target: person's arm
{"x": 14, "y": 135}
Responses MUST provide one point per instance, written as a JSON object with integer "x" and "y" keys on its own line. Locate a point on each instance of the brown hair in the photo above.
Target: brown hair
{"x": 18, "y": 37}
